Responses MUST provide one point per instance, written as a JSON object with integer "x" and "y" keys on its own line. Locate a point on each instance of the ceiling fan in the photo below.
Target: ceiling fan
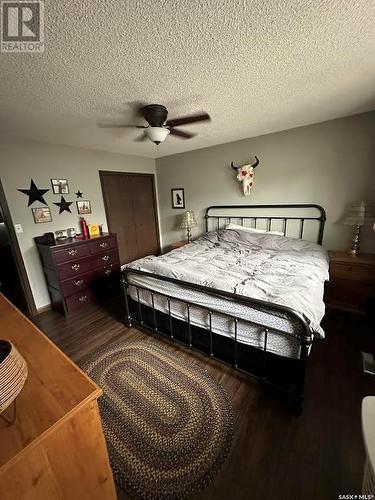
{"x": 159, "y": 127}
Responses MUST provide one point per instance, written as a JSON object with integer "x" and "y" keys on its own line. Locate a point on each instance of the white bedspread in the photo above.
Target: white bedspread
{"x": 272, "y": 268}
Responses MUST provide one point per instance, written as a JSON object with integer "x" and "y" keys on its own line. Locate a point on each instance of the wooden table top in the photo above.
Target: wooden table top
{"x": 54, "y": 390}
{"x": 361, "y": 258}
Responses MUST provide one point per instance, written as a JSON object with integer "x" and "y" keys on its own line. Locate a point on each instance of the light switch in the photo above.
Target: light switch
{"x": 18, "y": 228}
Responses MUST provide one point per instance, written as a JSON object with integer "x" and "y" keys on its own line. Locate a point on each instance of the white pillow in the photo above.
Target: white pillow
{"x": 279, "y": 233}
{"x": 244, "y": 228}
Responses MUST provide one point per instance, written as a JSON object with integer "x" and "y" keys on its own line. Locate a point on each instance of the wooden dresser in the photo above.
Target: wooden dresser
{"x": 56, "y": 448}
{"x": 352, "y": 282}
{"x": 78, "y": 272}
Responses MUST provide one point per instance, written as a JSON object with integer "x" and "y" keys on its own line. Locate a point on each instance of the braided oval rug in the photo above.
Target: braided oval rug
{"x": 167, "y": 423}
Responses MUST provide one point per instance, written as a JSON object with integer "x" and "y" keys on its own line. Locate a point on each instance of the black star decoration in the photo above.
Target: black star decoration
{"x": 79, "y": 194}
{"x": 34, "y": 193}
{"x": 63, "y": 205}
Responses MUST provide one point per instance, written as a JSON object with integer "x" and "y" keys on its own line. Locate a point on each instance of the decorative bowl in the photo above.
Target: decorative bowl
{"x": 13, "y": 373}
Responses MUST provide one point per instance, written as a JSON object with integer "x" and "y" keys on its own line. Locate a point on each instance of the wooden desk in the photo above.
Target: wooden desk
{"x": 56, "y": 448}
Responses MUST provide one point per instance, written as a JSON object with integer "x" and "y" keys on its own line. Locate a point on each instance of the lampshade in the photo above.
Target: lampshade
{"x": 188, "y": 220}
{"x": 157, "y": 134}
{"x": 360, "y": 213}
{"x": 13, "y": 373}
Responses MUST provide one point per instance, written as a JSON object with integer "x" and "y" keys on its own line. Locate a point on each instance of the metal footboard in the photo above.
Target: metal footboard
{"x": 304, "y": 335}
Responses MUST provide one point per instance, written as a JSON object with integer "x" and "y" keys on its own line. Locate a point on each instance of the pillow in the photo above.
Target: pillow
{"x": 244, "y": 228}
{"x": 279, "y": 233}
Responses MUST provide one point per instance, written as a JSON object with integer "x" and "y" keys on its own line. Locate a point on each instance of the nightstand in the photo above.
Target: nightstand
{"x": 177, "y": 244}
{"x": 352, "y": 282}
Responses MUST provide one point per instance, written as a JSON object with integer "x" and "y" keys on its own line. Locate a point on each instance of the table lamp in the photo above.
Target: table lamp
{"x": 188, "y": 221}
{"x": 360, "y": 213}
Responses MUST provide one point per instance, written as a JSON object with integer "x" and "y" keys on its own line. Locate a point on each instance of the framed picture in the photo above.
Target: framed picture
{"x": 60, "y": 186}
{"x": 62, "y": 234}
{"x": 178, "y": 198}
{"x": 42, "y": 215}
{"x": 83, "y": 207}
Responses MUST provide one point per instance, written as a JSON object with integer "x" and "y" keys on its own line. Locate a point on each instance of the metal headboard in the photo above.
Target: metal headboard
{"x": 320, "y": 217}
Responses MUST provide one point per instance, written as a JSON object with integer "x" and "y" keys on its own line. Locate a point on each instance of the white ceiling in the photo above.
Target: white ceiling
{"x": 256, "y": 66}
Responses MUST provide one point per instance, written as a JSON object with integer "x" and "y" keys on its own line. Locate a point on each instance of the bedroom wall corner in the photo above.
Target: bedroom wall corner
{"x": 22, "y": 161}
{"x": 329, "y": 163}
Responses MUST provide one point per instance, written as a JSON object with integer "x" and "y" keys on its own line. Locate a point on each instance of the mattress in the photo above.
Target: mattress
{"x": 273, "y": 268}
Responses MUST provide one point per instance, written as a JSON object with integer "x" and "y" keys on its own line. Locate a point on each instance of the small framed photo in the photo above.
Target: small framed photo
{"x": 42, "y": 215}
{"x": 178, "y": 198}
{"x": 62, "y": 234}
{"x": 60, "y": 186}
{"x": 83, "y": 207}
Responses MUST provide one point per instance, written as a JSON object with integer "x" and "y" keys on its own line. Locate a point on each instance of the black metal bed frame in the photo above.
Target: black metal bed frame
{"x": 287, "y": 374}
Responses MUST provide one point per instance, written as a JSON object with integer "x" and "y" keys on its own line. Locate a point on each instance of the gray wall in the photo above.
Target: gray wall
{"x": 22, "y": 161}
{"x": 330, "y": 163}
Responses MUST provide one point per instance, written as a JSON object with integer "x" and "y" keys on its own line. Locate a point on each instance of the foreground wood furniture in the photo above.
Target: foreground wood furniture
{"x": 352, "y": 282}
{"x": 56, "y": 448}
{"x": 79, "y": 272}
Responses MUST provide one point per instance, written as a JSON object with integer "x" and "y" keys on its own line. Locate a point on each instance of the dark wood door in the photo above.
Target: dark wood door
{"x": 130, "y": 205}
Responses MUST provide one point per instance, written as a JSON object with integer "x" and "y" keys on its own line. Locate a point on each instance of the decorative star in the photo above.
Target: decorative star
{"x": 34, "y": 193}
{"x": 63, "y": 205}
{"x": 79, "y": 194}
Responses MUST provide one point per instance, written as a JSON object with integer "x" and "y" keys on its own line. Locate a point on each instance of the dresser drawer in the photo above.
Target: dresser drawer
{"x": 102, "y": 245}
{"x": 71, "y": 253}
{"x": 354, "y": 272}
{"x": 77, "y": 284}
{"x": 105, "y": 259}
{"x": 109, "y": 272}
{"x": 79, "y": 301}
{"x": 74, "y": 268}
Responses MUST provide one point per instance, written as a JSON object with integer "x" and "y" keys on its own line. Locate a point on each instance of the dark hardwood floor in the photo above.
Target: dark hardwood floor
{"x": 275, "y": 454}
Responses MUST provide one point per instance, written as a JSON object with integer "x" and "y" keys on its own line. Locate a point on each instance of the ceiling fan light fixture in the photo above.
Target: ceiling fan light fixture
{"x": 157, "y": 134}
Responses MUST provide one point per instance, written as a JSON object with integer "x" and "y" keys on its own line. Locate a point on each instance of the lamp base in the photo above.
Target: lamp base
{"x": 354, "y": 249}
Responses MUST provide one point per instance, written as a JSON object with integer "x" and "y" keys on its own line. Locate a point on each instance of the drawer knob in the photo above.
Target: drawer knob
{"x": 105, "y": 258}
{"x": 103, "y": 245}
{"x": 73, "y": 252}
{"x": 108, "y": 272}
{"x": 350, "y": 268}
{"x": 78, "y": 283}
{"x": 83, "y": 298}
{"x": 76, "y": 267}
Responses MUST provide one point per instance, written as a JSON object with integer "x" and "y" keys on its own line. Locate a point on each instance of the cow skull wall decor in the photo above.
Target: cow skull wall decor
{"x": 245, "y": 174}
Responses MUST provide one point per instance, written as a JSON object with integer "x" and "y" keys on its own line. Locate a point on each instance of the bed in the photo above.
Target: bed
{"x": 249, "y": 298}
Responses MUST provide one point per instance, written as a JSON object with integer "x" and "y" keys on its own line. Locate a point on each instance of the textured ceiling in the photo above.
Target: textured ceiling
{"x": 256, "y": 66}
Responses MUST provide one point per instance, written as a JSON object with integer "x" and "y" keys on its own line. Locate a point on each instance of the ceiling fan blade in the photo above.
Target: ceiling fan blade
{"x": 184, "y": 120}
{"x": 140, "y": 138}
{"x": 181, "y": 133}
